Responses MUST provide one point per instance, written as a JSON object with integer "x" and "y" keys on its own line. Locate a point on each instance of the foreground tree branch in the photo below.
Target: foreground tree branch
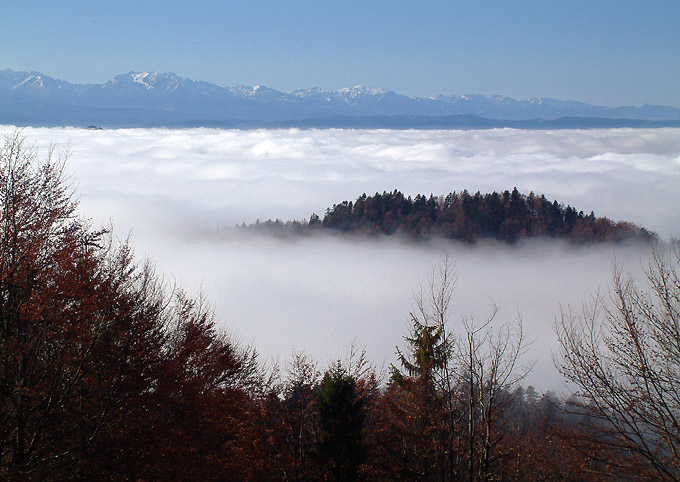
{"x": 622, "y": 352}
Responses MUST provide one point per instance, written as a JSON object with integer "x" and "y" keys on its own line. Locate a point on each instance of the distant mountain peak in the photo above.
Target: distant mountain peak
{"x": 35, "y": 80}
{"x": 169, "y": 99}
{"x": 145, "y": 78}
{"x": 256, "y": 91}
{"x": 241, "y": 90}
{"x": 359, "y": 89}
{"x": 150, "y": 81}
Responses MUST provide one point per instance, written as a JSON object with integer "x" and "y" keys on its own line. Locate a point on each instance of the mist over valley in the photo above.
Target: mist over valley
{"x": 181, "y": 192}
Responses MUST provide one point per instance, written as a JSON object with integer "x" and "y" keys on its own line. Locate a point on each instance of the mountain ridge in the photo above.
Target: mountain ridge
{"x": 166, "y": 99}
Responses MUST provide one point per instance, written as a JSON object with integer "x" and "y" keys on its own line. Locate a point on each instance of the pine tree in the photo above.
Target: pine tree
{"x": 341, "y": 424}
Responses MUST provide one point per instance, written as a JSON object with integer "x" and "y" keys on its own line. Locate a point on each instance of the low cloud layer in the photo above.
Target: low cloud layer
{"x": 177, "y": 190}
{"x": 322, "y": 294}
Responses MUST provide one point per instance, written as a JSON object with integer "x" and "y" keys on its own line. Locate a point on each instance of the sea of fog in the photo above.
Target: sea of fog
{"x": 180, "y": 192}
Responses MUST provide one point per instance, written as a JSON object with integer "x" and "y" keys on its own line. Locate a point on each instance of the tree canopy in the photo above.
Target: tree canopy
{"x": 105, "y": 373}
{"x": 508, "y": 217}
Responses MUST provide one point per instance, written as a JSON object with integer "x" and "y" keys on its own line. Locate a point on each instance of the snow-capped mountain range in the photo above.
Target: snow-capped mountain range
{"x": 144, "y": 99}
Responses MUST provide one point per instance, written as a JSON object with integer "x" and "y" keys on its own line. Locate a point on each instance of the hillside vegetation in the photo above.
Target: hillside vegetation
{"x": 507, "y": 216}
{"x": 108, "y": 374}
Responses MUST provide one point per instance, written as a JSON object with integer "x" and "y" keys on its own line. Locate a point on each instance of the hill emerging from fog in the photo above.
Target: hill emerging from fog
{"x": 507, "y": 217}
{"x": 152, "y": 99}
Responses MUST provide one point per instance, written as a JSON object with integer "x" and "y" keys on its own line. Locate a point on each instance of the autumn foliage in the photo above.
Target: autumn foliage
{"x": 109, "y": 374}
{"x": 105, "y": 374}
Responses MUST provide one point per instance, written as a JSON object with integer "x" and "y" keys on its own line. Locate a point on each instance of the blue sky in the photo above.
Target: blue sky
{"x": 604, "y": 52}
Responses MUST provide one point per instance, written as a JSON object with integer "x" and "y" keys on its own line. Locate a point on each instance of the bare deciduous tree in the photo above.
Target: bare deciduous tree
{"x": 622, "y": 352}
{"x": 489, "y": 366}
{"x": 458, "y": 378}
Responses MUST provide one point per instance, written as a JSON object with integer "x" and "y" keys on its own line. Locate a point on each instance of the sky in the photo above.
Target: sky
{"x": 607, "y": 52}
{"x": 178, "y": 193}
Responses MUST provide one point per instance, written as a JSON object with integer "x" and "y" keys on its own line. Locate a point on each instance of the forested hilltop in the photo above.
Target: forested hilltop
{"x": 507, "y": 216}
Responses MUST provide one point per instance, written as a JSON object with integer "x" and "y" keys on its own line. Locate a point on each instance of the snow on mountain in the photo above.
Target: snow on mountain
{"x": 152, "y": 81}
{"x": 258, "y": 93}
{"x": 35, "y": 82}
{"x": 27, "y": 86}
{"x": 168, "y": 98}
{"x": 359, "y": 91}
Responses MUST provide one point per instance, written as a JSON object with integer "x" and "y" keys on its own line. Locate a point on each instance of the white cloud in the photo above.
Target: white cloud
{"x": 623, "y": 173}
{"x": 178, "y": 189}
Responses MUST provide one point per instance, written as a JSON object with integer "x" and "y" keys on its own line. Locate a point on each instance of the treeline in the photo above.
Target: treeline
{"x": 106, "y": 374}
{"x": 507, "y": 216}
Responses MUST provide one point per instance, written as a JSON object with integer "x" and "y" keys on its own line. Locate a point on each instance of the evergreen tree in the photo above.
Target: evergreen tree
{"x": 341, "y": 423}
